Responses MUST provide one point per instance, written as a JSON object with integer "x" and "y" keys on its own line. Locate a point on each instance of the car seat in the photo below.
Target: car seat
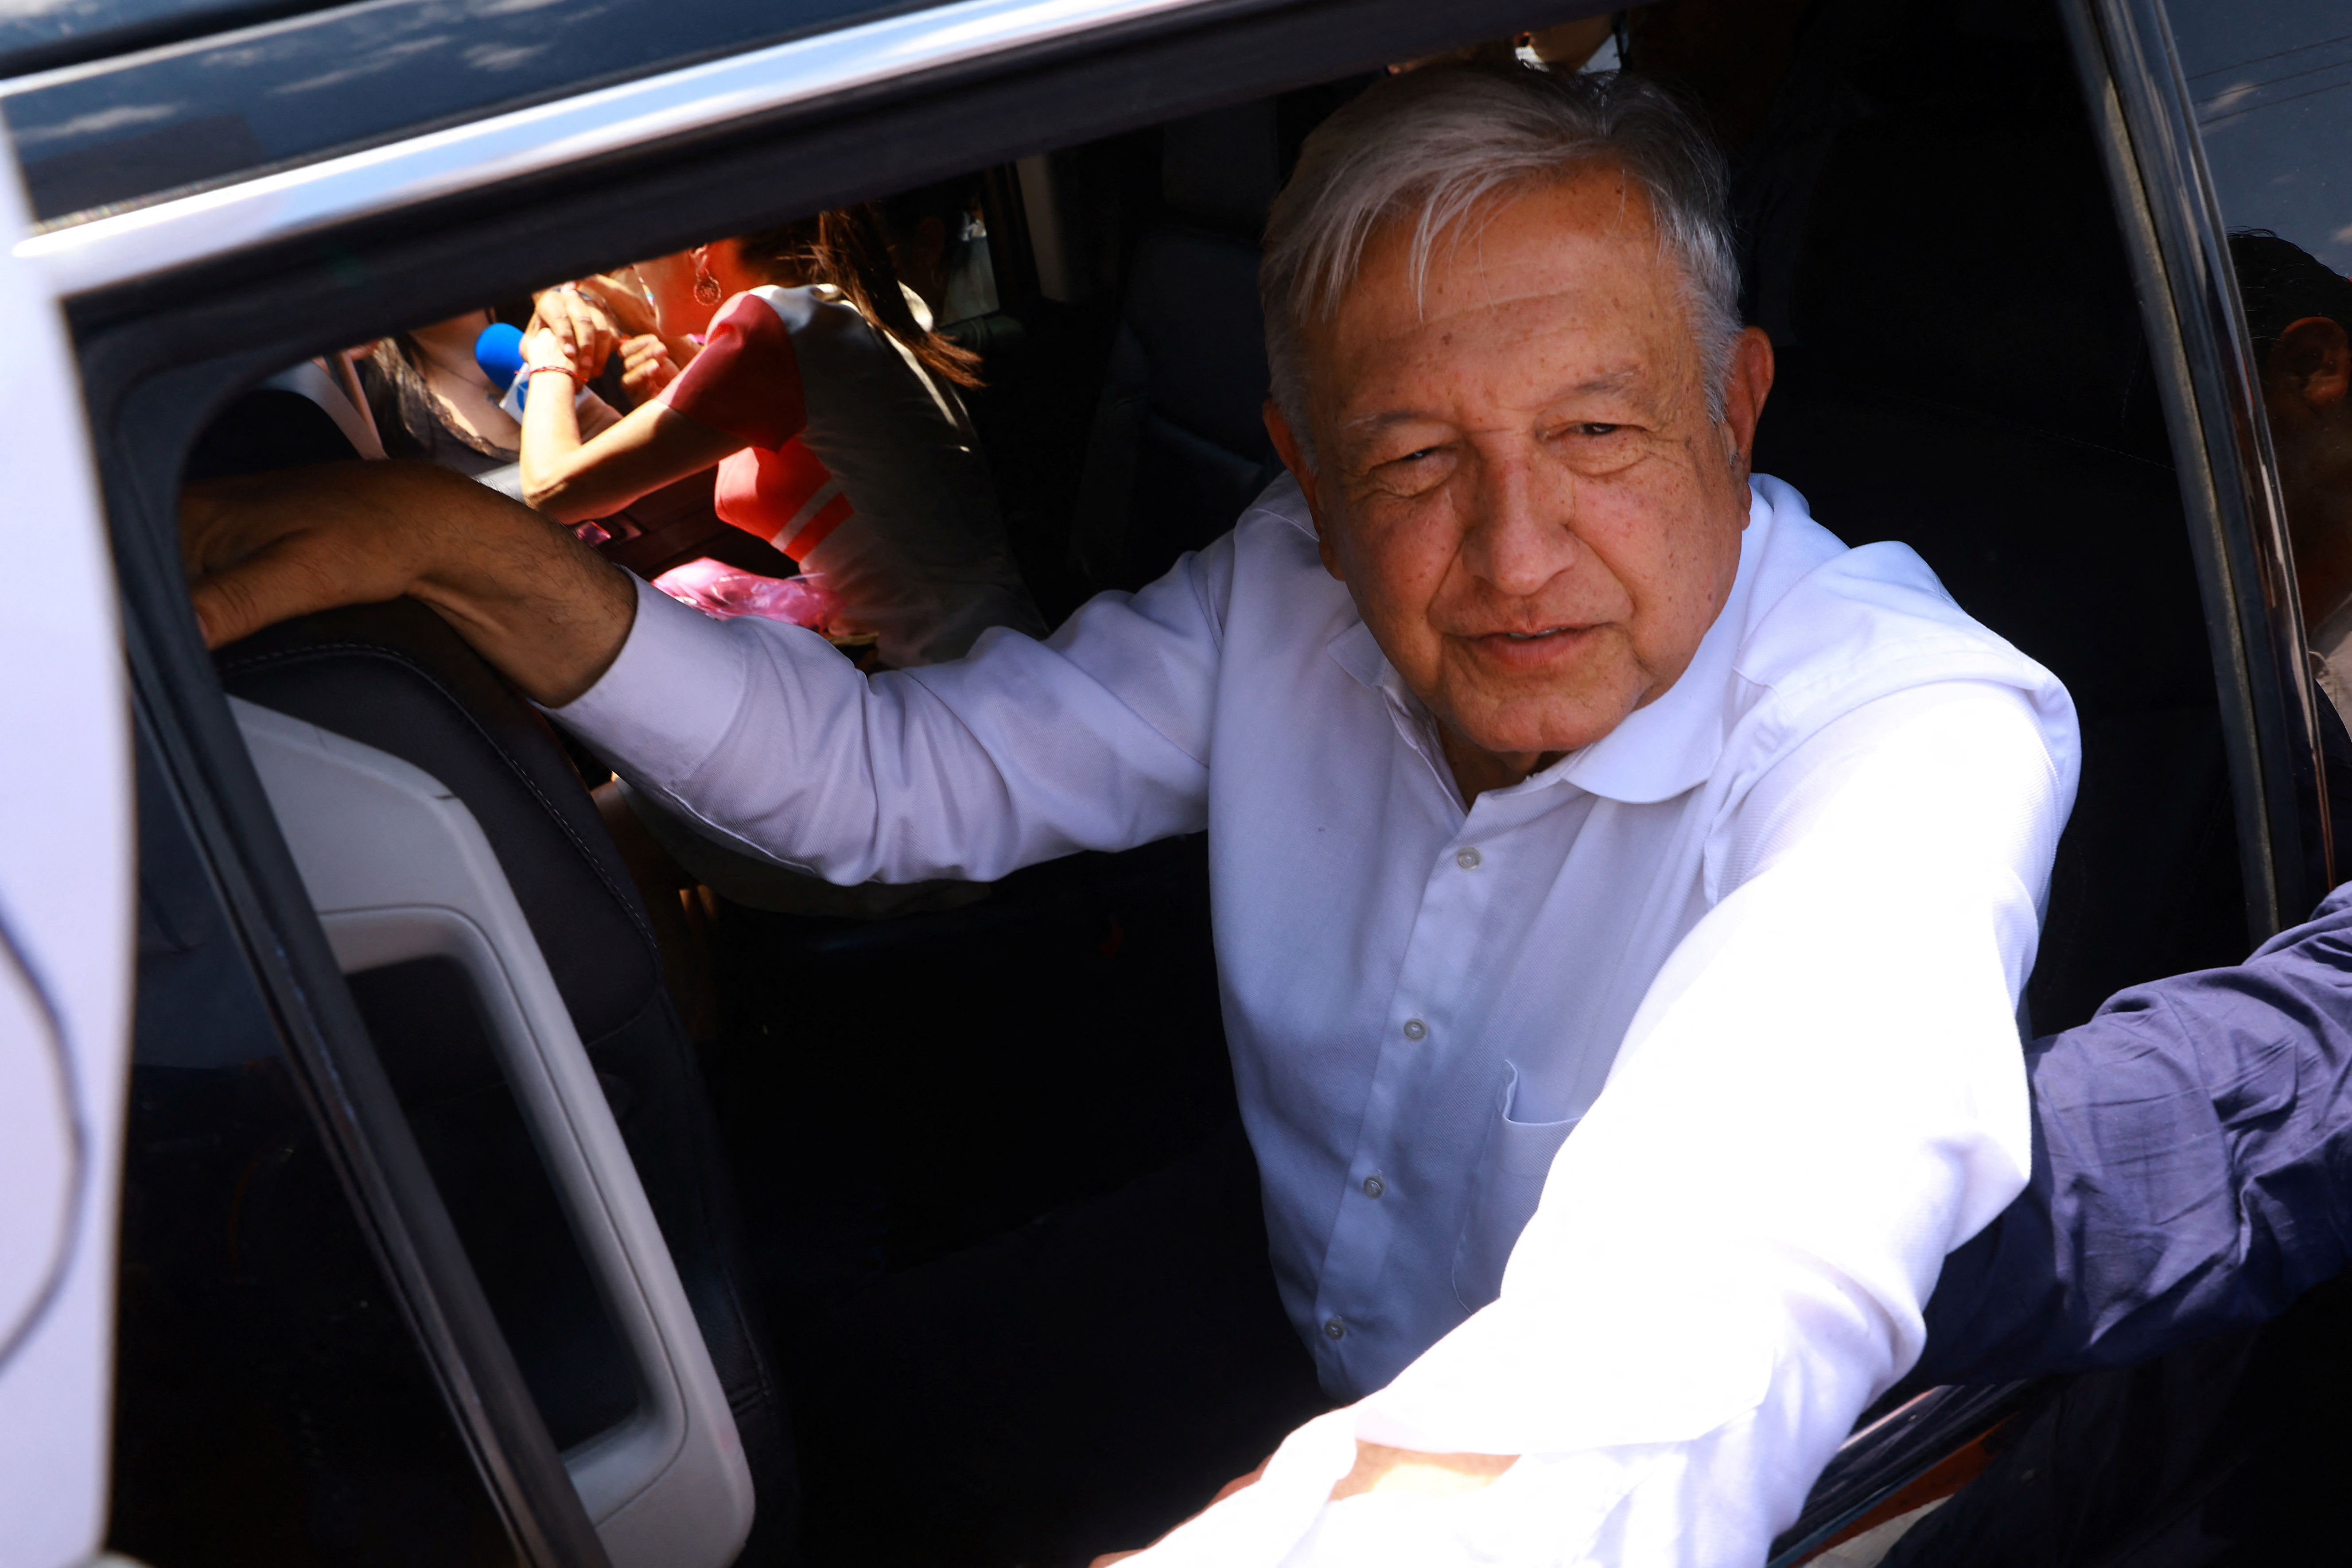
{"x": 1963, "y": 368}
{"x": 1179, "y": 448}
{"x": 395, "y": 677}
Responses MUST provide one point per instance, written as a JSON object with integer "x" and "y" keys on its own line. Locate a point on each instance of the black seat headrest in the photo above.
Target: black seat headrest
{"x": 1221, "y": 170}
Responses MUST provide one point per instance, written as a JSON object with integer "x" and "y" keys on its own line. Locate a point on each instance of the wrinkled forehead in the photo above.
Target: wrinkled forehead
{"x": 1542, "y": 268}
{"x": 1571, "y": 216}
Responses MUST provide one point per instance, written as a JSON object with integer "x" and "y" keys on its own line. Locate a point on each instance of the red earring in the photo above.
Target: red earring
{"x": 705, "y": 288}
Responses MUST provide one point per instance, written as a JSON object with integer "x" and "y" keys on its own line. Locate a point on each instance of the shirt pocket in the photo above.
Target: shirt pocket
{"x": 1506, "y": 1184}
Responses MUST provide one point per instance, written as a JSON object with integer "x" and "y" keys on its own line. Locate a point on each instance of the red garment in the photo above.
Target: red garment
{"x": 860, "y": 464}
{"x": 746, "y": 382}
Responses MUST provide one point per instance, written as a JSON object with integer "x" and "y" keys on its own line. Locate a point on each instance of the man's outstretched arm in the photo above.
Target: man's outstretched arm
{"x": 1820, "y": 1096}
{"x": 532, "y": 598}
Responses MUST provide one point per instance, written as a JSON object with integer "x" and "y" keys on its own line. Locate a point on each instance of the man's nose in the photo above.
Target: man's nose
{"x": 1519, "y": 536}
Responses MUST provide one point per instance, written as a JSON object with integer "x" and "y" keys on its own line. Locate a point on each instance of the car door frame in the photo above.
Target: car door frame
{"x": 2171, "y": 223}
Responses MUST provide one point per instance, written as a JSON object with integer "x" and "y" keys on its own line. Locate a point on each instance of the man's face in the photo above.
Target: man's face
{"x": 1515, "y": 474}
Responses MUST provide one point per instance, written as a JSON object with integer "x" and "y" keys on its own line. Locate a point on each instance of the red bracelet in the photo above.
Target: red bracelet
{"x": 530, "y": 371}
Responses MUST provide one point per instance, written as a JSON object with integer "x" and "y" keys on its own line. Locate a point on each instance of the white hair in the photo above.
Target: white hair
{"x": 1432, "y": 147}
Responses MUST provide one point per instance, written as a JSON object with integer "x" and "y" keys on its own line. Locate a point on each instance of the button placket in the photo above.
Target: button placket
{"x": 1428, "y": 971}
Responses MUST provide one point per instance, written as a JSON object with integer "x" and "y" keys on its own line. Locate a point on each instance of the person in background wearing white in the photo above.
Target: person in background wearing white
{"x": 829, "y": 407}
{"x": 1622, "y": 889}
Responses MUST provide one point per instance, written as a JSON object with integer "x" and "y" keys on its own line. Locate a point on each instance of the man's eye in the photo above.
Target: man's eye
{"x": 1592, "y": 428}
{"x": 1416, "y": 455}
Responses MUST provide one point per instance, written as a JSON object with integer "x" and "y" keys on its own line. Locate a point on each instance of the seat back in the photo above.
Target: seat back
{"x": 395, "y": 677}
{"x": 1963, "y": 370}
{"x": 1178, "y": 446}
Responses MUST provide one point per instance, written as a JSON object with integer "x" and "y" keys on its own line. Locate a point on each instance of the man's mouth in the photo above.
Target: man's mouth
{"x": 1538, "y": 649}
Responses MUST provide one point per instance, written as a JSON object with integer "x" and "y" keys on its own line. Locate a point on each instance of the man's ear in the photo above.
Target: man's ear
{"x": 2312, "y": 361}
{"x": 1746, "y": 386}
{"x": 1287, "y": 446}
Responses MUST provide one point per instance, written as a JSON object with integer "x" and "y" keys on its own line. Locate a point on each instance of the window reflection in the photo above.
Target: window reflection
{"x": 2299, "y": 314}
{"x": 2270, "y": 84}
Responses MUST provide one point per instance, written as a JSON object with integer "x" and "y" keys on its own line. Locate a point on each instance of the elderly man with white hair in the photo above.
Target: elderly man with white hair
{"x": 1622, "y": 889}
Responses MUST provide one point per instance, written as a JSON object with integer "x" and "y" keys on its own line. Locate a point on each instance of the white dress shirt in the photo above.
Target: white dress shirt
{"x": 1782, "y": 915}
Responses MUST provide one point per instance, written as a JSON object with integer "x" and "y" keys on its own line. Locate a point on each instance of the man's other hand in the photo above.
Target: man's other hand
{"x": 1379, "y": 1468}
{"x": 530, "y": 598}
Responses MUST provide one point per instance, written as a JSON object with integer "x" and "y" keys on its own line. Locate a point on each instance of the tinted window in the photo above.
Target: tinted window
{"x": 2271, "y": 87}
{"x": 2272, "y": 90}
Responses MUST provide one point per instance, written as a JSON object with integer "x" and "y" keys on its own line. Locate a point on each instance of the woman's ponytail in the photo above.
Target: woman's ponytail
{"x": 845, "y": 249}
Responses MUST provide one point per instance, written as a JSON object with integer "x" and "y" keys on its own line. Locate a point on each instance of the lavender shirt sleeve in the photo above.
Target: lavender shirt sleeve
{"x": 2192, "y": 1170}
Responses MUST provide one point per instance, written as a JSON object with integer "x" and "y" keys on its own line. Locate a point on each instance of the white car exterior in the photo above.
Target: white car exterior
{"x": 66, "y": 935}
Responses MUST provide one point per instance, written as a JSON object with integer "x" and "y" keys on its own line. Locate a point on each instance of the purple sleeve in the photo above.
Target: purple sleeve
{"x": 2192, "y": 1170}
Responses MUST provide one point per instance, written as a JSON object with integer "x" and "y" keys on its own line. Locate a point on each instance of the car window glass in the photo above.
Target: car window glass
{"x": 2270, "y": 85}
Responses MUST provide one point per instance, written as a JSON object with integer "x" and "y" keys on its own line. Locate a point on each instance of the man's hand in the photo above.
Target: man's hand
{"x": 1379, "y": 1468}
{"x": 532, "y": 598}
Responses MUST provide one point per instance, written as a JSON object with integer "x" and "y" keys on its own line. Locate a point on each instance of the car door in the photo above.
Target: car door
{"x": 66, "y": 869}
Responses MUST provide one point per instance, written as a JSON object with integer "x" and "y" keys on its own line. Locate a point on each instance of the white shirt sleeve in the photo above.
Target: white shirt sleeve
{"x": 1822, "y": 1095}
{"x": 1096, "y": 738}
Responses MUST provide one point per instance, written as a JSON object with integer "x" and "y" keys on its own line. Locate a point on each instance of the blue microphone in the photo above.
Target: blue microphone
{"x": 499, "y": 350}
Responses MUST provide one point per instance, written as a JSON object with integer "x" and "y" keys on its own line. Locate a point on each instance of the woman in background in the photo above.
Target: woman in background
{"x": 831, "y": 409}
{"x": 431, "y": 400}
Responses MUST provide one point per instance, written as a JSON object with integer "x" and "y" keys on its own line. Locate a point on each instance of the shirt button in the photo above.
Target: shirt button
{"x": 1334, "y": 1329}
{"x": 1374, "y": 1187}
{"x": 1415, "y": 1030}
{"x": 1467, "y": 858}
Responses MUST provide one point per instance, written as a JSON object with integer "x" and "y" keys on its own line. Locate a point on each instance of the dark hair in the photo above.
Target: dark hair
{"x": 2280, "y": 283}
{"x": 845, "y": 249}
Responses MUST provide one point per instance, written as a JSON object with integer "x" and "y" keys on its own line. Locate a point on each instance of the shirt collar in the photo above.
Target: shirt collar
{"x": 1659, "y": 751}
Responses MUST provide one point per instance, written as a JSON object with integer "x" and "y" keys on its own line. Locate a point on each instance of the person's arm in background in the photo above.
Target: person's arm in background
{"x": 2192, "y": 1170}
{"x": 573, "y": 480}
{"x": 1822, "y": 1095}
{"x": 614, "y": 308}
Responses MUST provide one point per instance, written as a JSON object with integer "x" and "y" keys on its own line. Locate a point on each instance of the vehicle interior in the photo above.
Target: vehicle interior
{"x": 821, "y": 1107}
